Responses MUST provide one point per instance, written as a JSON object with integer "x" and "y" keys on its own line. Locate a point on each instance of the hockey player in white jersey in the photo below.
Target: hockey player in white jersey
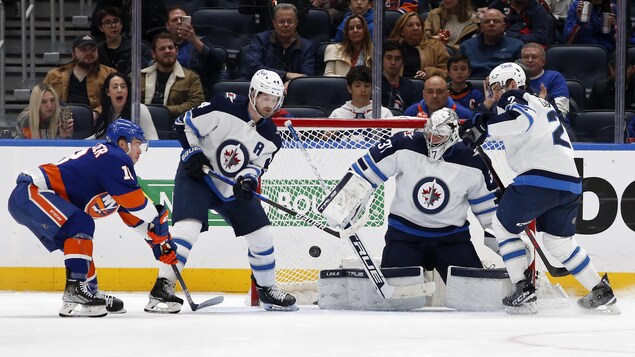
{"x": 234, "y": 136}
{"x": 438, "y": 179}
{"x": 548, "y": 188}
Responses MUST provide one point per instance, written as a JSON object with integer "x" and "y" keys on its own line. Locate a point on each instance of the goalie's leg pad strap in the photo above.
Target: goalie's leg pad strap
{"x": 573, "y": 257}
{"x": 184, "y": 233}
{"x": 261, "y": 256}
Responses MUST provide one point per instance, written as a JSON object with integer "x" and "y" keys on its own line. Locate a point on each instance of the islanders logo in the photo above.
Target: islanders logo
{"x": 431, "y": 195}
{"x": 101, "y": 205}
{"x": 232, "y": 157}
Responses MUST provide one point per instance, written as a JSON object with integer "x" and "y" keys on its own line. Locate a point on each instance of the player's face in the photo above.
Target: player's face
{"x": 118, "y": 92}
{"x": 355, "y": 31}
{"x": 47, "y": 105}
{"x": 360, "y": 93}
{"x": 412, "y": 31}
{"x": 393, "y": 62}
{"x": 435, "y": 93}
{"x": 85, "y": 56}
{"x": 165, "y": 53}
{"x": 266, "y": 103}
{"x": 134, "y": 149}
{"x": 533, "y": 59}
{"x": 459, "y": 72}
{"x": 497, "y": 91}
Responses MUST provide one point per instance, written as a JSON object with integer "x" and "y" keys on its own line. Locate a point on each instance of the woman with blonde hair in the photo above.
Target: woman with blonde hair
{"x": 423, "y": 57}
{"x": 356, "y": 49}
{"x": 452, "y": 23}
{"x": 42, "y": 119}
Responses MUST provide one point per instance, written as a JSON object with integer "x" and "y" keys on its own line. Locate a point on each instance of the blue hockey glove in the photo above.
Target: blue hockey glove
{"x": 474, "y": 132}
{"x": 165, "y": 251}
{"x": 244, "y": 187}
{"x": 193, "y": 160}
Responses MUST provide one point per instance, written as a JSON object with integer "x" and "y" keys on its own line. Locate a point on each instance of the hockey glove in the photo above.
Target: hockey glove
{"x": 193, "y": 161}
{"x": 160, "y": 239}
{"x": 474, "y": 132}
{"x": 165, "y": 251}
{"x": 244, "y": 187}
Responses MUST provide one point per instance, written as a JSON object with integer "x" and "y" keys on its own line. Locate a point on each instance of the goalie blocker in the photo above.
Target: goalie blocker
{"x": 346, "y": 200}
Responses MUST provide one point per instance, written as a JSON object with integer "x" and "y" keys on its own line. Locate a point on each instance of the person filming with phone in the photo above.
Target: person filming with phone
{"x": 45, "y": 118}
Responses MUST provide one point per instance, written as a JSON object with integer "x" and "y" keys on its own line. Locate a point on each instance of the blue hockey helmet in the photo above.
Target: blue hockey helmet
{"x": 125, "y": 128}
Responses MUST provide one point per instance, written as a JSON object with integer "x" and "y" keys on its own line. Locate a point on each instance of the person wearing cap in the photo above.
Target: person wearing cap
{"x": 603, "y": 92}
{"x": 80, "y": 80}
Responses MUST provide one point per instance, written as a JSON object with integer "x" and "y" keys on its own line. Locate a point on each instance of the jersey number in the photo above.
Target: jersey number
{"x": 127, "y": 175}
{"x": 558, "y": 132}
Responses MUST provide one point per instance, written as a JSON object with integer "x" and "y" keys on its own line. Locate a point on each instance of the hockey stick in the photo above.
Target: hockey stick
{"x": 371, "y": 269}
{"x": 553, "y": 271}
{"x": 194, "y": 306}
{"x": 296, "y": 138}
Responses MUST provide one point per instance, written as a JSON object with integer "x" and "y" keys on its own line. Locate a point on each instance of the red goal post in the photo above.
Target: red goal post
{"x": 332, "y": 146}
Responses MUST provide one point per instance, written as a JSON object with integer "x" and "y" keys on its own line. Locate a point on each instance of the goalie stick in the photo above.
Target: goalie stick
{"x": 553, "y": 271}
{"x": 194, "y": 306}
{"x": 376, "y": 276}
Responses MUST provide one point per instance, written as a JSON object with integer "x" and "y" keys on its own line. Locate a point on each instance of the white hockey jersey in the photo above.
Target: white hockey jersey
{"x": 235, "y": 145}
{"x": 536, "y": 145}
{"x": 432, "y": 197}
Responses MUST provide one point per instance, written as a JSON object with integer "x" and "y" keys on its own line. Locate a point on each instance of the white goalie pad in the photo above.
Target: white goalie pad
{"x": 477, "y": 289}
{"x": 346, "y": 200}
{"x": 350, "y": 289}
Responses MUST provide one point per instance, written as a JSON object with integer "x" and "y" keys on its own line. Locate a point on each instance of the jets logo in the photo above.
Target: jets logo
{"x": 431, "y": 195}
{"x": 101, "y": 205}
{"x": 232, "y": 157}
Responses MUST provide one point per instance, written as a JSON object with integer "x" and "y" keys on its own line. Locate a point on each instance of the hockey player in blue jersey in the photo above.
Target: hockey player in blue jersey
{"x": 58, "y": 202}
{"x": 438, "y": 179}
{"x": 234, "y": 136}
{"x": 547, "y": 188}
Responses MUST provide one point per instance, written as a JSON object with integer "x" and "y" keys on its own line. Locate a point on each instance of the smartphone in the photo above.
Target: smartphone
{"x": 66, "y": 115}
{"x": 186, "y": 20}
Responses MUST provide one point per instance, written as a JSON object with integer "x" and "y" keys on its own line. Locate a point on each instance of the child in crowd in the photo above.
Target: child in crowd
{"x": 461, "y": 90}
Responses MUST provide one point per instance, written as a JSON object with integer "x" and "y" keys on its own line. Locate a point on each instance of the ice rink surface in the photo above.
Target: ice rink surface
{"x": 30, "y": 326}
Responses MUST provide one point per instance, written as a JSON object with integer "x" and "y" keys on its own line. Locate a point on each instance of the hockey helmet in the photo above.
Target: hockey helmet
{"x": 124, "y": 128}
{"x": 268, "y": 82}
{"x": 441, "y": 131}
{"x": 506, "y": 71}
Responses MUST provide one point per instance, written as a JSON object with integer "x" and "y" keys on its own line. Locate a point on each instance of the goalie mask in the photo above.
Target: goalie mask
{"x": 441, "y": 131}
{"x": 505, "y": 72}
{"x": 266, "y": 82}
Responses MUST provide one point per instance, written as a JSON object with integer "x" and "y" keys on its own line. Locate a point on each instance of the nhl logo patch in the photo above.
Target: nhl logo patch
{"x": 232, "y": 157}
{"x": 431, "y": 195}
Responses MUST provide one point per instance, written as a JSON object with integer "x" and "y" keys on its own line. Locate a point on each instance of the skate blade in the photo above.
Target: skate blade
{"x": 117, "y": 312}
{"x": 609, "y": 308}
{"x": 528, "y": 308}
{"x": 158, "y": 307}
{"x": 70, "y": 309}
{"x": 272, "y": 307}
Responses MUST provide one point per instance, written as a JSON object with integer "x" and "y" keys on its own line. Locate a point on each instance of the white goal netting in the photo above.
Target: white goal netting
{"x": 332, "y": 146}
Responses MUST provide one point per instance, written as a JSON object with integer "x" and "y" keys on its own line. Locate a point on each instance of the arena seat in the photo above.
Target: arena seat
{"x": 597, "y": 126}
{"x": 162, "y": 120}
{"x": 417, "y": 83}
{"x": 327, "y": 93}
{"x": 577, "y": 93}
{"x": 396, "y": 112}
{"x": 238, "y": 86}
{"x": 316, "y": 27}
{"x": 587, "y": 63}
{"x": 390, "y": 19}
{"x": 320, "y": 66}
{"x": 306, "y": 112}
{"x": 226, "y": 28}
{"x": 477, "y": 83}
{"x": 83, "y": 123}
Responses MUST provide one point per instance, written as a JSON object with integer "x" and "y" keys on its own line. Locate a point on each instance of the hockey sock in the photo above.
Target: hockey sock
{"x": 78, "y": 253}
{"x": 574, "y": 258}
{"x": 184, "y": 234}
{"x": 261, "y": 256}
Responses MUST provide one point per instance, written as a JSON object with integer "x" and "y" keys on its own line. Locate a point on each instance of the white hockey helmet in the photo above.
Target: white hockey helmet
{"x": 506, "y": 71}
{"x": 268, "y": 82}
{"x": 441, "y": 131}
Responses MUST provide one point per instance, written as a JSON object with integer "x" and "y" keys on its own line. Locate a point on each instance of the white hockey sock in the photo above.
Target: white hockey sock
{"x": 261, "y": 256}
{"x": 573, "y": 257}
{"x": 184, "y": 234}
{"x": 512, "y": 250}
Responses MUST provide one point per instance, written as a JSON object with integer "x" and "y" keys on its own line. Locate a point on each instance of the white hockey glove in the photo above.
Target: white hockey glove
{"x": 346, "y": 200}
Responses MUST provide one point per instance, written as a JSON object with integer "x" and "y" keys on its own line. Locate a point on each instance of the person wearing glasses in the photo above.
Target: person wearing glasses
{"x": 281, "y": 50}
{"x": 115, "y": 51}
{"x": 80, "y": 81}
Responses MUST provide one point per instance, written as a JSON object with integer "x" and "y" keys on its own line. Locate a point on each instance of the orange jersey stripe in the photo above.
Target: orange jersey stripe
{"x": 56, "y": 215}
{"x": 55, "y": 179}
{"x": 132, "y": 200}
{"x": 129, "y": 219}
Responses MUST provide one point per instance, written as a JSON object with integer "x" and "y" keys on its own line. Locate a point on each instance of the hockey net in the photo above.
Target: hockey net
{"x": 332, "y": 146}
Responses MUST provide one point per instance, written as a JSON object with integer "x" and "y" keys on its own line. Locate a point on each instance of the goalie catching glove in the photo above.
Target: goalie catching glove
{"x": 159, "y": 238}
{"x": 474, "y": 132}
{"x": 193, "y": 161}
{"x": 245, "y": 187}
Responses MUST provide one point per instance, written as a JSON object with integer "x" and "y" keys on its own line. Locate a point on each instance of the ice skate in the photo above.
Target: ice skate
{"x": 162, "y": 298}
{"x": 601, "y": 298}
{"x": 274, "y": 299}
{"x": 77, "y": 293}
{"x": 114, "y": 305}
{"x": 523, "y": 300}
